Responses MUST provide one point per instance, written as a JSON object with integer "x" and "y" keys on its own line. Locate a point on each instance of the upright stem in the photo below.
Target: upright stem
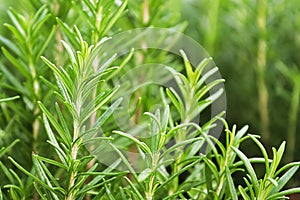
{"x": 292, "y": 123}
{"x": 146, "y": 14}
{"x": 36, "y": 111}
{"x": 151, "y": 189}
{"x": 181, "y": 136}
{"x": 149, "y": 193}
{"x": 260, "y": 71}
{"x": 211, "y": 34}
{"x": 74, "y": 152}
{"x": 222, "y": 169}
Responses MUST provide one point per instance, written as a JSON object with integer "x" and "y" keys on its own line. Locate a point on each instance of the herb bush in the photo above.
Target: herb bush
{"x": 63, "y": 101}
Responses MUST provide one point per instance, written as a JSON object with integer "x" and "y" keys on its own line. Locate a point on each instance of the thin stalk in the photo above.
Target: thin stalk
{"x": 146, "y": 14}
{"x": 75, "y": 147}
{"x": 211, "y": 34}
{"x": 227, "y": 160}
{"x": 181, "y": 136}
{"x": 260, "y": 71}
{"x": 151, "y": 189}
{"x": 92, "y": 123}
{"x": 140, "y": 57}
{"x": 222, "y": 169}
{"x": 59, "y": 52}
{"x": 74, "y": 152}
{"x": 292, "y": 123}
{"x": 150, "y": 192}
{"x": 36, "y": 111}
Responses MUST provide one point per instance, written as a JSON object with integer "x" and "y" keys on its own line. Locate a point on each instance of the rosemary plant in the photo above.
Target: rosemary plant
{"x": 62, "y": 103}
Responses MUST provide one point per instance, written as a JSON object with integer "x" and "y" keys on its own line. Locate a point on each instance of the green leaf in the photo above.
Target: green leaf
{"x": 12, "y": 191}
{"x": 47, "y": 115}
{"x": 7, "y": 173}
{"x": 282, "y": 181}
{"x": 62, "y": 120}
{"x": 96, "y": 104}
{"x": 36, "y": 25}
{"x": 213, "y": 169}
{"x": 241, "y": 133}
{"x": 207, "y": 88}
{"x": 68, "y": 32}
{"x": 188, "y": 67}
{"x": 165, "y": 119}
{"x": 264, "y": 152}
{"x": 276, "y": 158}
{"x": 43, "y": 173}
{"x": 185, "y": 168}
{"x": 178, "y": 145}
{"x": 39, "y": 191}
{"x": 135, "y": 190}
{"x": 122, "y": 65}
{"x": 9, "y": 99}
{"x": 115, "y": 17}
{"x": 154, "y": 119}
{"x": 54, "y": 142}
{"x": 91, "y": 7}
{"x": 94, "y": 183}
{"x": 243, "y": 193}
{"x": 287, "y": 166}
{"x": 50, "y": 161}
{"x": 4, "y": 150}
{"x": 251, "y": 160}
{"x": 14, "y": 81}
{"x": 46, "y": 43}
{"x": 200, "y": 67}
{"x": 144, "y": 174}
{"x": 18, "y": 63}
{"x": 29, "y": 174}
{"x": 17, "y": 178}
{"x": 64, "y": 77}
{"x": 283, "y": 193}
{"x": 230, "y": 184}
{"x": 11, "y": 45}
{"x": 142, "y": 145}
{"x": 176, "y": 100}
{"x": 206, "y": 76}
{"x": 172, "y": 196}
{"x": 70, "y": 54}
{"x": 16, "y": 33}
{"x": 1, "y": 194}
{"x": 248, "y": 167}
{"x": 107, "y": 113}
{"x": 125, "y": 161}
{"x": 108, "y": 193}
{"x": 63, "y": 90}
{"x": 18, "y": 20}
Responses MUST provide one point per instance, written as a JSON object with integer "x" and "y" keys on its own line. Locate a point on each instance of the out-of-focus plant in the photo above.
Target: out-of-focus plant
{"x": 293, "y": 76}
{"x": 250, "y": 39}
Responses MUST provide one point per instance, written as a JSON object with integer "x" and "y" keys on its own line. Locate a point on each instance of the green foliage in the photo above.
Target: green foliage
{"x": 249, "y": 39}
{"x": 60, "y": 121}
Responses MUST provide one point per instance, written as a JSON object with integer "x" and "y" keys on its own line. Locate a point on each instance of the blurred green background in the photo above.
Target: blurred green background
{"x": 256, "y": 44}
